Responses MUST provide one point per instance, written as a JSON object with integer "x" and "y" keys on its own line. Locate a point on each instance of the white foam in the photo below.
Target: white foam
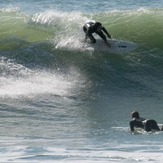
{"x": 17, "y": 81}
{"x": 117, "y": 153}
{"x": 58, "y": 18}
{"x": 67, "y": 26}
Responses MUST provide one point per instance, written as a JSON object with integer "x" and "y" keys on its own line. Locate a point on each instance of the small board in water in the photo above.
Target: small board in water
{"x": 117, "y": 46}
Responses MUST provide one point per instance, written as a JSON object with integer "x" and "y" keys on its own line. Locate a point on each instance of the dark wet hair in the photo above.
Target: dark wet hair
{"x": 135, "y": 114}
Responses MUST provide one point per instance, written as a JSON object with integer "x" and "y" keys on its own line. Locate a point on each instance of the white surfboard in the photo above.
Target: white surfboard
{"x": 117, "y": 46}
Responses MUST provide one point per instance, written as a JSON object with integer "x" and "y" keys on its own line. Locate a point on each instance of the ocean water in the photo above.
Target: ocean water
{"x": 62, "y": 102}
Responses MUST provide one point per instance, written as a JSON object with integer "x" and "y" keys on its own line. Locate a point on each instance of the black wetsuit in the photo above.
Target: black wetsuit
{"x": 90, "y": 28}
{"x": 145, "y": 124}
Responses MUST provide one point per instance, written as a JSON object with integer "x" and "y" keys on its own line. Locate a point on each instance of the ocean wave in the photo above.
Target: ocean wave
{"x": 43, "y": 38}
{"x": 142, "y": 26}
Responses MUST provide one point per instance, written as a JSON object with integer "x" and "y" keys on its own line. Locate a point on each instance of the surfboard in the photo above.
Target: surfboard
{"x": 138, "y": 130}
{"x": 117, "y": 46}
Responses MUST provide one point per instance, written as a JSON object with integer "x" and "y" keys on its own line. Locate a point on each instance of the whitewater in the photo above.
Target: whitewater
{"x": 61, "y": 101}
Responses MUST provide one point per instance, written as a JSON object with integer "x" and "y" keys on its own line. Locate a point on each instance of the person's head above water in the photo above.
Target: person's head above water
{"x": 135, "y": 114}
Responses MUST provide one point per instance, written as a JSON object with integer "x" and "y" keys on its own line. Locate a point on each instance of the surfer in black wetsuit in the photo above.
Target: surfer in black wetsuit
{"x": 139, "y": 122}
{"x": 95, "y": 27}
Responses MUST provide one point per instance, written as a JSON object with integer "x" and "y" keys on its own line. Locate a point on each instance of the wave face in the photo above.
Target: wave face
{"x": 142, "y": 26}
{"x": 52, "y": 41}
{"x": 62, "y": 101}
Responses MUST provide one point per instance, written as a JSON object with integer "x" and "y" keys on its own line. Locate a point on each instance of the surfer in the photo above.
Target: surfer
{"x": 139, "y": 122}
{"x": 95, "y": 27}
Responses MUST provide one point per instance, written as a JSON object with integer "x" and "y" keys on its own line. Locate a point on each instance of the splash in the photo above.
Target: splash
{"x": 18, "y": 81}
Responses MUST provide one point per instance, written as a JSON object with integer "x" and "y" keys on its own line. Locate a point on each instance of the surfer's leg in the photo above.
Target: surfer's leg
{"x": 92, "y": 39}
{"x": 151, "y": 125}
{"x": 147, "y": 126}
{"x": 154, "y": 125}
{"x": 104, "y": 38}
{"x": 102, "y": 35}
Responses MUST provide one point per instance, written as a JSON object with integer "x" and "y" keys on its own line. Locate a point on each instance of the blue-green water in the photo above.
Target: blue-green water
{"x": 61, "y": 102}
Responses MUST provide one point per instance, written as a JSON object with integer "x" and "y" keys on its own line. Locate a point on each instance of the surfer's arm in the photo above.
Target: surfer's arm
{"x": 109, "y": 36}
{"x": 132, "y": 124}
{"x": 87, "y": 34}
{"x": 85, "y": 38}
{"x": 136, "y": 122}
